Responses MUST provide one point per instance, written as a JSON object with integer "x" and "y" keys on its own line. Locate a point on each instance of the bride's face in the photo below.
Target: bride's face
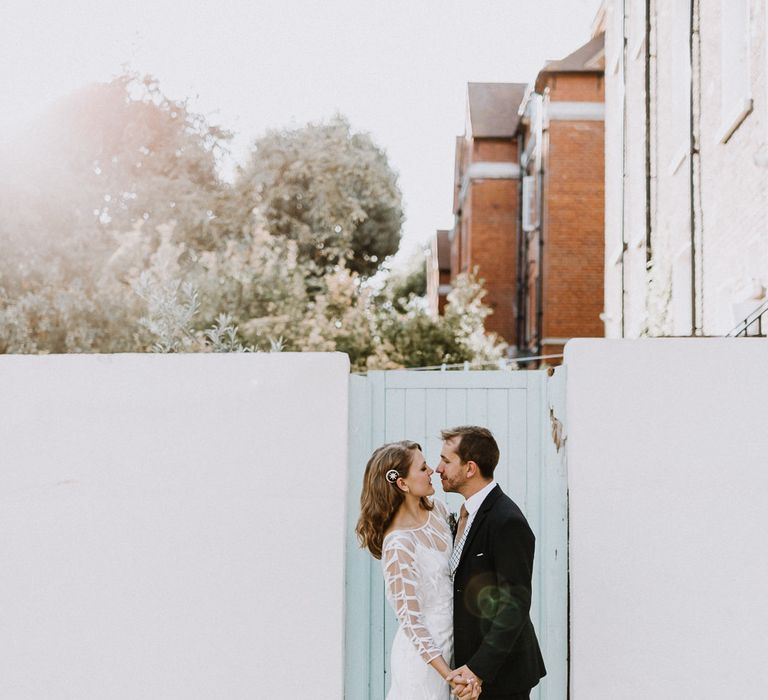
{"x": 419, "y": 479}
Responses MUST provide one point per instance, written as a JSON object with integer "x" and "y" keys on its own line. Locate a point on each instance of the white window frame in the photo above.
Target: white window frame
{"x": 735, "y": 74}
{"x": 530, "y": 203}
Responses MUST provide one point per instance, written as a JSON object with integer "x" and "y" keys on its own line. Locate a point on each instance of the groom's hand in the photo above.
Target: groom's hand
{"x": 469, "y": 691}
{"x": 464, "y": 676}
{"x": 461, "y": 690}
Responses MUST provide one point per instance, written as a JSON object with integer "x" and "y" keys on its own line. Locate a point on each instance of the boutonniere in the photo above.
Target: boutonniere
{"x": 453, "y": 523}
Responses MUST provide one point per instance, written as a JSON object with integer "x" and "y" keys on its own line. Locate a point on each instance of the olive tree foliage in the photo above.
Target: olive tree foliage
{"x": 406, "y": 284}
{"x": 118, "y": 235}
{"x": 414, "y": 338}
{"x": 138, "y": 156}
{"x": 110, "y": 162}
{"x": 329, "y": 189}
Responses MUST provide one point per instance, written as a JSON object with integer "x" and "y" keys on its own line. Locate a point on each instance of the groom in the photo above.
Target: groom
{"x": 491, "y": 565}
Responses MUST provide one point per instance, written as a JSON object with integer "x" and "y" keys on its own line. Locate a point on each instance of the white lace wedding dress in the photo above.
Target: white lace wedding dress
{"x": 419, "y": 589}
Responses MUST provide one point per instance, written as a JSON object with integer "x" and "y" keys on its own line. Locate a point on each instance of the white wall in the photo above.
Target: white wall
{"x": 172, "y": 526}
{"x": 668, "y": 478}
{"x": 731, "y": 206}
{"x": 734, "y": 186}
{"x": 625, "y": 205}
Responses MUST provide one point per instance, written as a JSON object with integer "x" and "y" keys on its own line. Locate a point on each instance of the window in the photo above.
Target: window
{"x": 530, "y": 203}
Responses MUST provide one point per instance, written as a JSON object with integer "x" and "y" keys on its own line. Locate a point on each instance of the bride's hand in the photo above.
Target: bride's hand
{"x": 464, "y": 683}
{"x": 461, "y": 691}
{"x": 471, "y": 691}
{"x": 464, "y": 690}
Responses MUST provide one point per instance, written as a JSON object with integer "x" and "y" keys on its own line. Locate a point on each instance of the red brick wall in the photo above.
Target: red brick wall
{"x": 574, "y": 221}
{"x": 486, "y": 230}
{"x": 576, "y": 87}
{"x": 466, "y": 237}
{"x": 494, "y": 150}
{"x": 494, "y": 250}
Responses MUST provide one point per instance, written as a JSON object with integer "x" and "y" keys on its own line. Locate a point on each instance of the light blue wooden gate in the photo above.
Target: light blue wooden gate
{"x": 525, "y": 411}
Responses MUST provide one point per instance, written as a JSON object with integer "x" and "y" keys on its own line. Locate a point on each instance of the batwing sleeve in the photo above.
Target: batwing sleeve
{"x": 401, "y": 576}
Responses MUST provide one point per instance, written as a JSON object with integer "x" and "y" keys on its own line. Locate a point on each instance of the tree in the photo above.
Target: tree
{"x": 118, "y": 235}
{"x": 401, "y": 286}
{"x": 330, "y": 190}
{"x": 413, "y": 338}
{"x": 108, "y": 161}
{"x": 140, "y": 156}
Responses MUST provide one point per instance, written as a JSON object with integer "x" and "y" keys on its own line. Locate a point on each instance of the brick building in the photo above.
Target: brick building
{"x": 528, "y": 202}
{"x": 686, "y": 157}
{"x": 486, "y": 200}
{"x": 563, "y": 202}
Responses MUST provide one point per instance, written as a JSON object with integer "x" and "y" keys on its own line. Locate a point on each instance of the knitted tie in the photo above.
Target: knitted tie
{"x": 461, "y": 535}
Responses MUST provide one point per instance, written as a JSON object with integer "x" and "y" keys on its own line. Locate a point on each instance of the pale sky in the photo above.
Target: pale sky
{"x": 397, "y": 69}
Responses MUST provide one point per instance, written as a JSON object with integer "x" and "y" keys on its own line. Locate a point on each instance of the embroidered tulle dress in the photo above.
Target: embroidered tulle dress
{"x": 418, "y": 587}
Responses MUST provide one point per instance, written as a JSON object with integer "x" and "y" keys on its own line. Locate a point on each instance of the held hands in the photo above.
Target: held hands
{"x": 464, "y": 683}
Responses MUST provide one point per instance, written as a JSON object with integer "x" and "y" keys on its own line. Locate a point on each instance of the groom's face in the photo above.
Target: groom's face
{"x": 453, "y": 473}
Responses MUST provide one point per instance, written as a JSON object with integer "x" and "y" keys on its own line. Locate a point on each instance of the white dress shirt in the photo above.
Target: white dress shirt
{"x": 473, "y": 503}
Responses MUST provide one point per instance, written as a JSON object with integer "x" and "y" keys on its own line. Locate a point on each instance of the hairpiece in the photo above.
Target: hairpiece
{"x": 392, "y": 476}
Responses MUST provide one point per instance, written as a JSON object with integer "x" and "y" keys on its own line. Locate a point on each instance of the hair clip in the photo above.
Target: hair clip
{"x": 392, "y": 476}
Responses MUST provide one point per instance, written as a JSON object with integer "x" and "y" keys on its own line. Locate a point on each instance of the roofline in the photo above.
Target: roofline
{"x": 599, "y": 22}
{"x": 559, "y": 71}
{"x": 468, "y": 131}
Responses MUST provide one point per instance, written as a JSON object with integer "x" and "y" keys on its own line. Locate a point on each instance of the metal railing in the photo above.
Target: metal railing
{"x": 510, "y": 363}
{"x": 754, "y": 325}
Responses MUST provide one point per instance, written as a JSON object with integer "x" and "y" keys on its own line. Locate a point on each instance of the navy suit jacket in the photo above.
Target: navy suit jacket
{"x": 492, "y": 628}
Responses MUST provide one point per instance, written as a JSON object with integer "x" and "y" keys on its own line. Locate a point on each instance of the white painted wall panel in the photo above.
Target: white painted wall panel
{"x": 731, "y": 247}
{"x": 172, "y": 526}
{"x": 667, "y": 456}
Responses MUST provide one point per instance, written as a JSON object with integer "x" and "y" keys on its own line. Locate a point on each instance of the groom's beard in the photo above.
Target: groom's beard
{"x": 451, "y": 486}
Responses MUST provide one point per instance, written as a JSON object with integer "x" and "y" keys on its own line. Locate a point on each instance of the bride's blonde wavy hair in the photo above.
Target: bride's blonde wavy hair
{"x": 380, "y": 498}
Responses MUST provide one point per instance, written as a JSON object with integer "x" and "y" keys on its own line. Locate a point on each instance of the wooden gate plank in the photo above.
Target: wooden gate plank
{"x": 435, "y": 422}
{"x": 553, "y": 547}
{"x": 379, "y": 607}
{"x": 514, "y": 472}
{"x": 357, "y": 659}
{"x": 533, "y": 503}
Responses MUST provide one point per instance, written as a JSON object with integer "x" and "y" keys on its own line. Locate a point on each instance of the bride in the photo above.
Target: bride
{"x": 410, "y": 534}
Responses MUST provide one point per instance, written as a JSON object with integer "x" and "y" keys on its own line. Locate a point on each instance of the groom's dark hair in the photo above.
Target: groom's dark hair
{"x": 476, "y": 444}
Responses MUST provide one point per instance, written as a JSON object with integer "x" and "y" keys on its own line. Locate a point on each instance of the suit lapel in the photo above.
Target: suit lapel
{"x": 486, "y": 506}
